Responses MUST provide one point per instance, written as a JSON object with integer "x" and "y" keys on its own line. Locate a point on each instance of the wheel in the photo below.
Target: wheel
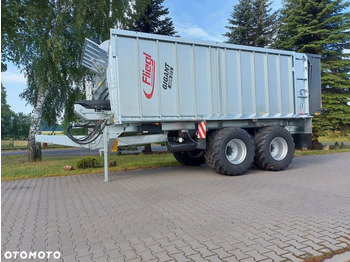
{"x": 190, "y": 158}
{"x": 274, "y": 148}
{"x": 230, "y": 151}
{"x": 207, "y": 152}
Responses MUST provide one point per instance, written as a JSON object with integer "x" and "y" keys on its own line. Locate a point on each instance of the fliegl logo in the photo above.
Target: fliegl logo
{"x": 148, "y": 76}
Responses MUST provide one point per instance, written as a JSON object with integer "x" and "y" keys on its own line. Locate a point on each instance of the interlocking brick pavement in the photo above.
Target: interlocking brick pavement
{"x": 183, "y": 214}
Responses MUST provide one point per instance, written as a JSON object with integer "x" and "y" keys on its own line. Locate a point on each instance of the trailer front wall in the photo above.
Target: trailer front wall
{"x": 163, "y": 80}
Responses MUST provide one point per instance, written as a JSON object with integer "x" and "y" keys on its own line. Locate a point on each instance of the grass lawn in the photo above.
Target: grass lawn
{"x": 17, "y": 167}
{"x": 321, "y": 152}
{"x": 333, "y": 137}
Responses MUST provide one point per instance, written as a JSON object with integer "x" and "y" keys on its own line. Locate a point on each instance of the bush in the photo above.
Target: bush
{"x": 88, "y": 162}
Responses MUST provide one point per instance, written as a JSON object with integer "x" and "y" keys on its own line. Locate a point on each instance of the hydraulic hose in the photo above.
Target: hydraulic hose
{"x": 97, "y": 130}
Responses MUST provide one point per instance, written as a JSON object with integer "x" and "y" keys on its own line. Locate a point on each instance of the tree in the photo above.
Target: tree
{"x": 251, "y": 23}
{"x": 264, "y": 25}
{"x": 322, "y": 27}
{"x": 13, "y": 126}
{"x": 241, "y": 24}
{"x": 7, "y": 115}
{"x": 151, "y": 17}
{"x": 45, "y": 38}
{"x": 20, "y": 126}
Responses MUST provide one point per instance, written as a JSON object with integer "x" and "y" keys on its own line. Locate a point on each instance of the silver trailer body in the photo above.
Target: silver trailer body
{"x": 250, "y": 101}
{"x": 157, "y": 78}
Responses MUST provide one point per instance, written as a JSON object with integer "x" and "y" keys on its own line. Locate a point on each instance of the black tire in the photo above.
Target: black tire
{"x": 190, "y": 158}
{"x": 230, "y": 151}
{"x": 274, "y": 148}
{"x": 207, "y": 153}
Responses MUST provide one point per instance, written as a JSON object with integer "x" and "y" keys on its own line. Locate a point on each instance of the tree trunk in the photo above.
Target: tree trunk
{"x": 34, "y": 149}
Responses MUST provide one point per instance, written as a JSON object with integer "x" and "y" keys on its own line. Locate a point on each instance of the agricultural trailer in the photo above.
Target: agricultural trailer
{"x": 227, "y": 105}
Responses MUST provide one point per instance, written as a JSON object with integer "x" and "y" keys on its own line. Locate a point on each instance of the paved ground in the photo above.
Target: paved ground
{"x": 183, "y": 213}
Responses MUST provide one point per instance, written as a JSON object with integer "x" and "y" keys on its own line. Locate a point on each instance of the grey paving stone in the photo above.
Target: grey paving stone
{"x": 172, "y": 250}
{"x": 164, "y": 242}
{"x": 180, "y": 257}
{"x": 344, "y": 240}
{"x": 294, "y": 251}
{"x": 250, "y": 259}
{"x": 139, "y": 248}
{"x": 163, "y": 256}
{"x": 333, "y": 241}
{"x": 149, "y": 241}
{"x": 330, "y": 246}
{"x": 342, "y": 245}
{"x": 113, "y": 254}
{"x": 263, "y": 242}
{"x": 196, "y": 257}
{"x": 195, "y": 244}
{"x": 97, "y": 253}
{"x": 239, "y": 255}
{"x": 221, "y": 253}
{"x": 82, "y": 252}
{"x": 292, "y": 257}
{"x": 296, "y": 244}
{"x": 311, "y": 251}
{"x": 279, "y": 251}
{"x": 110, "y": 245}
{"x": 156, "y": 248}
{"x": 274, "y": 256}
{"x": 255, "y": 254}
{"x": 120, "y": 259}
{"x": 213, "y": 259}
{"x": 101, "y": 259}
{"x": 146, "y": 255}
{"x": 179, "y": 243}
{"x": 69, "y": 258}
{"x": 187, "y": 250}
{"x": 259, "y": 248}
{"x": 230, "y": 259}
{"x": 69, "y": 250}
{"x": 85, "y": 259}
{"x": 244, "y": 248}
{"x": 204, "y": 251}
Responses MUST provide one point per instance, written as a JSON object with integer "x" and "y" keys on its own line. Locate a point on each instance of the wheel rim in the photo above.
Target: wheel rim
{"x": 236, "y": 151}
{"x": 278, "y": 148}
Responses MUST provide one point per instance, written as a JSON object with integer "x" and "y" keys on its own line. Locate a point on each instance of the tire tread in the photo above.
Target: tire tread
{"x": 262, "y": 159}
{"x": 213, "y": 153}
{"x": 185, "y": 159}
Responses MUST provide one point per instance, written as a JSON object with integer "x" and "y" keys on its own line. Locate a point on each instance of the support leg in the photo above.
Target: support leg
{"x": 105, "y": 153}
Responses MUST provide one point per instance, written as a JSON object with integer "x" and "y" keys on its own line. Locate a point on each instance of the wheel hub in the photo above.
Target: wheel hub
{"x": 236, "y": 151}
{"x": 278, "y": 148}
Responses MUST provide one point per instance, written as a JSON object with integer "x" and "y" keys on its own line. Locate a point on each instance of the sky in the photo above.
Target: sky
{"x": 196, "y": 19}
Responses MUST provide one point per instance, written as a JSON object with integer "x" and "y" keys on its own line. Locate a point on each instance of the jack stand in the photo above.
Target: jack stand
{"x": 105, "y": 153}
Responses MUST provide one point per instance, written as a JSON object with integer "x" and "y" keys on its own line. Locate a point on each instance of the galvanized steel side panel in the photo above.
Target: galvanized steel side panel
{"x": 170, "y": 79}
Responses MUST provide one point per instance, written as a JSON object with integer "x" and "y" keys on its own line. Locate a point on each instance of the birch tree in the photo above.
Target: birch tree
{"x": 45, "y": 39}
